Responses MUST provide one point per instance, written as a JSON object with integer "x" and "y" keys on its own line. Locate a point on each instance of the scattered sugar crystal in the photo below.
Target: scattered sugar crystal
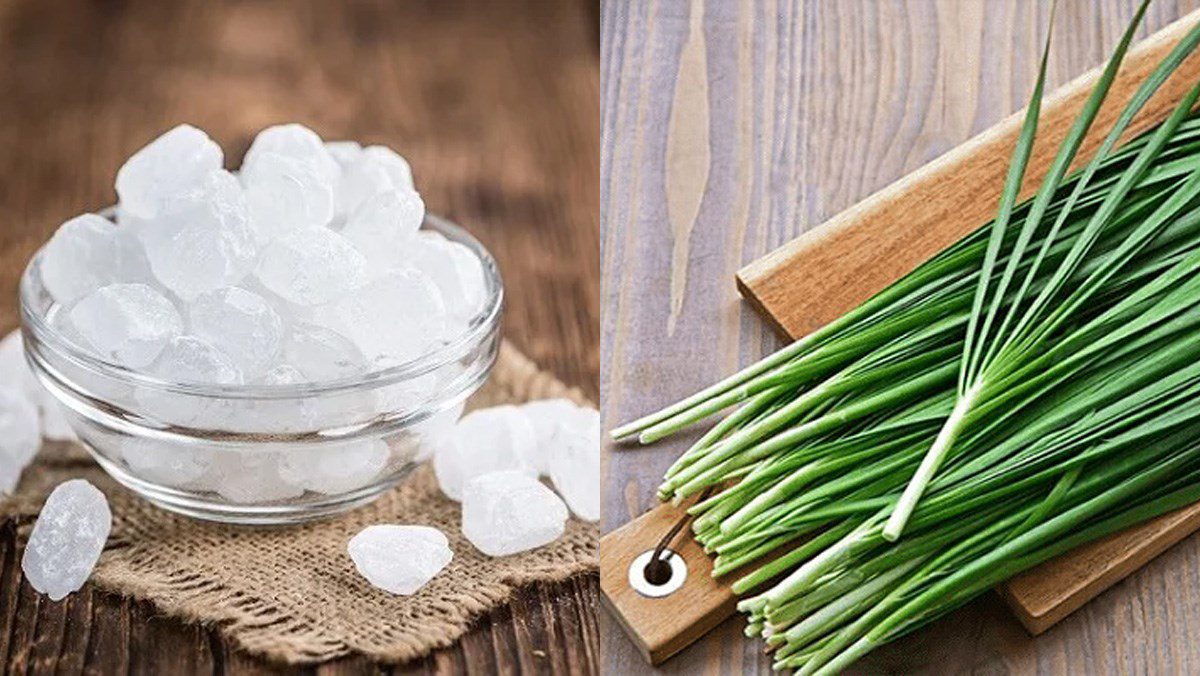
{"x": 163, "y": 463}
{"x": 284, "y": 195}
{"x": 311, "y": 267}
{"x": 399, "y": 315}
{"x": 250, "y": 477}
{"x": 487, "y": 440}
{"x": 67, "y": 539}
{"x": 14, "y": 369}
{"x": 88, "y": 252}
{"x": 129, "y": 324}
{"x": 457, "y": 272}
{"x": 295, "y": 141}
{"x": 574, "y": 463}
{"x": 19, "y": 437}
{"x": 509, "y": 512}
{"x": 170, "y": 165}
{"x": 548, "y": 417}
{"x": 399, "y": 559}
{"x": 190, "y": 359}
{"x": 242, "y": 325}
{"x": 333, "y": 468}
{"x": 383, "y": 225}
{"x": 322, "y": 354}
{"x": 397, "y": 168}
{"x": 202, "y": 240}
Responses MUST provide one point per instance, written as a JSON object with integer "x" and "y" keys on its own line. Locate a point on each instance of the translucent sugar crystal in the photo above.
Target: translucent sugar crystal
{"x": 322, "y": 354}
{"x": 250, "y": 477}
{"x": 399, "y": 559}
{"x": 432, "y": 431}
{"x": 509, "y": 512}
{"x": 334, "y": 468}
{"x": 164, "y": 463}
{"x": 360, "y": 180}
{"x": 310, "y": 267}
{"x": 202, "y": 239}
{"x": 14, "y": 370}
{"x": 19, "y": 436}
{"x": 170, "y": 165}
{"x": 88, "y": 252}
{"x": 574, "y": 463}
{"x": 297, "y": 142}
{"x": 397, "y": 168}
{"x": 190, "y": 359}
{"x": 457, "y": 272}
{"x": 285, "y": 194}
{"x": 67, "y": 539}
{"x": 383, "y": 224}
{"x": 548, "y": 417}
{"x": 129, "y": 324}
{"x": 344, "y": 153}
{"x": 487, "y": 440}
{"x": 399, "y": 315}
{"x": 242, "y": 325}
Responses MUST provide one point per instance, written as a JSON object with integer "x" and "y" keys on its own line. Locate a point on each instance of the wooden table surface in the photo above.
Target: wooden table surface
{"x": 494, "y": 103}
{"x": 729, "y": 128}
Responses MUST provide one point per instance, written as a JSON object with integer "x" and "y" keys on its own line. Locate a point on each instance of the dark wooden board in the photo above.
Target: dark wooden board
{"x": 496, "y": 105}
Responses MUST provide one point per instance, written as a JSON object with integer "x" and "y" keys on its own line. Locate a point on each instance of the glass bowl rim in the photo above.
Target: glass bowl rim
{"x": 480, "y": 328}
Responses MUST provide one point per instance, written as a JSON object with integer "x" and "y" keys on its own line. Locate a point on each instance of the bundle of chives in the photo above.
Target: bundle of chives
{"x": 1021, "y": 393}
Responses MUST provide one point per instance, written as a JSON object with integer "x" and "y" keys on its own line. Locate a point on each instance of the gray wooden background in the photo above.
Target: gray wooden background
{"x": 729, "y": 127}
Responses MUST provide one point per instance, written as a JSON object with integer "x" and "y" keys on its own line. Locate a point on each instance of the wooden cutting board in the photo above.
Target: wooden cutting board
{"x": 829, "y": 270}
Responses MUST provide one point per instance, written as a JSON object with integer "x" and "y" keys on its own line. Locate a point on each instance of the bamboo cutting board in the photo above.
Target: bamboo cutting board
{"x": 829, "y": 270}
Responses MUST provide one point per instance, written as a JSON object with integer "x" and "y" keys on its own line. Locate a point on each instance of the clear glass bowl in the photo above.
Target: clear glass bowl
{"x": 262, "y": 454}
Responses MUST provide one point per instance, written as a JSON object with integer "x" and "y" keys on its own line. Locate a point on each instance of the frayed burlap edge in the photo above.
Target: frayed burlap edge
{"x": 291, "y": 594}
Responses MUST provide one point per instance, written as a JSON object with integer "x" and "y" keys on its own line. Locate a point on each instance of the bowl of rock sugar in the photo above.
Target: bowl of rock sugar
{"x": 265, "y": 346}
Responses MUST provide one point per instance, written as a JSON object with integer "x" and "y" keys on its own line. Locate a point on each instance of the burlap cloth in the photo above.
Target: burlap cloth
{"x": 292, "y": 594}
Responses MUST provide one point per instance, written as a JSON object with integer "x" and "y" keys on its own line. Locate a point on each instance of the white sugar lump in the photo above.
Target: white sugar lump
{"x": 548, "y": 417}
{"x": 382, "y": 226}
{"x": 164, "y": 463}
{"x": 574, "y": 464}
{"x": 344, "y": 153}
{"x": 284, "y": 194}
{"x": 334, "y": 468}
{"x": 202, "y": 240}
{"x": 397, "y": 168}
{"x": 88, "y": 252}
{"x": 433, "y": 430}
{"x": 360, "y": 180}
{"x": 19, "y": 435}
{"x": 14, "y": 369}
{"x": 242, "y": 325}
{"x": 128, "y": 324}
{"x": 297, "y": 142}
{"x": 311, "y": 267}
{"x": 487, "y": 440}
{"x": 398, "y": 316}
{"x": 457, "y": 272}
{"x": 322, "y": 354}
{"x": 250, "y": 477}
{"x": 509, "y": 512}
{"x": 399, "y": 559}
{"x": 168, "y": 166}
{"x": 67, "y": 539}
{"x": 190, "y": 359}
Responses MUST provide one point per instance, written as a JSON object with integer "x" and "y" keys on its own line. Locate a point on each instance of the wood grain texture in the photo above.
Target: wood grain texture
{"x": 495, "y": 104}
{"x": 812, "y": 106}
